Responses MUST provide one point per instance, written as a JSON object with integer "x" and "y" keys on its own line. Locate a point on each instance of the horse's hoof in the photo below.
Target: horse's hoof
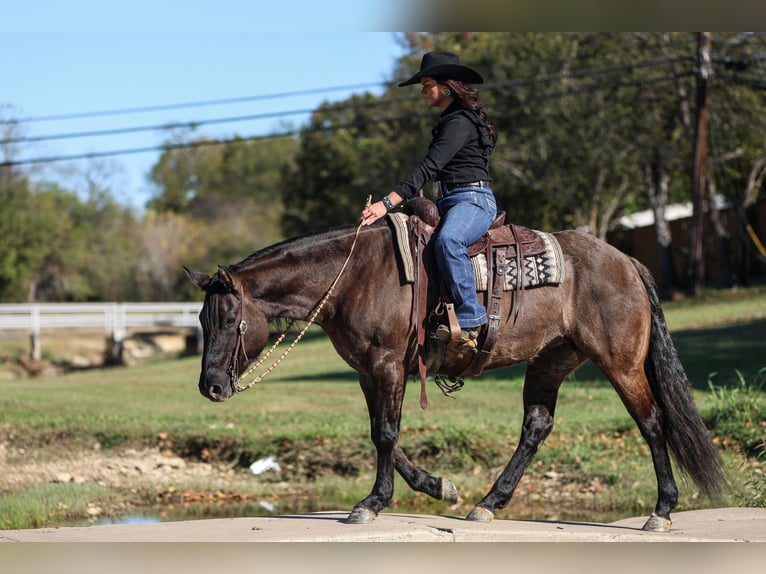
{"x": 480, "y": 514}
{"x": 657, "y": 524}
{"x": 449, "y": 491}
{"x": 361, "y": 515}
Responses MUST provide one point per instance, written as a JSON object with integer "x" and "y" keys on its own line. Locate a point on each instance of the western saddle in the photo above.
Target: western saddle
{"x": 501, "y": 242}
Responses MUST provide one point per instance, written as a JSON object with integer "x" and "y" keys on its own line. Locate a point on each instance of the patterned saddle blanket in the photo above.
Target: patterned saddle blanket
{"x": 544, "y": 267}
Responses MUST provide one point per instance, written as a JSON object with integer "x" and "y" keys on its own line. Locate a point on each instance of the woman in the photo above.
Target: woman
{"x": 458, "y": 161}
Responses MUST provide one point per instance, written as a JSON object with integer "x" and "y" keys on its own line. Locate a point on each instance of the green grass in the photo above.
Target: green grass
{"x": 45, "y": 504}
{"x": 311, "y": 414}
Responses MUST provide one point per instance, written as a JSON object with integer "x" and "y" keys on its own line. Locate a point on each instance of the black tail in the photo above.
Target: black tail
{"x": 685, "y": 431}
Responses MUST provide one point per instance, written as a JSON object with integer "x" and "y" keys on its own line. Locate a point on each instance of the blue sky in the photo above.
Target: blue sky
{"x": 62, "y": 58}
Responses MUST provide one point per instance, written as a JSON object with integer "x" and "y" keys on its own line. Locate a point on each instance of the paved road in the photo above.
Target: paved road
{"x": 738, "y": 537}
{"x": 715, "y": 525}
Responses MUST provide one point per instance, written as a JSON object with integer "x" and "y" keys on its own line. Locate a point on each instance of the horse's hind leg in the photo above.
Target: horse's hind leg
{"x": 422, "y": 481}
{"x": 637, "y": 397}
{"x": 541, "y": 386}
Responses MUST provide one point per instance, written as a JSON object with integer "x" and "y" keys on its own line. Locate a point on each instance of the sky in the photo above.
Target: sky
{"x": 77, "y": 57}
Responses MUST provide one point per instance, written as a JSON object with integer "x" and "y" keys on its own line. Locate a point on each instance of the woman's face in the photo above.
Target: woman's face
{"x": 433, "y": 92}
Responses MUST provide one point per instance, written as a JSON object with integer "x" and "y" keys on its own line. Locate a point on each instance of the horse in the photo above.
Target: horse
{"x": 606, "y": 310}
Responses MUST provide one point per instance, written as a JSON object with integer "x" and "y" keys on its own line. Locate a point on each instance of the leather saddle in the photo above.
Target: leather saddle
{"x": 499, "y": 243}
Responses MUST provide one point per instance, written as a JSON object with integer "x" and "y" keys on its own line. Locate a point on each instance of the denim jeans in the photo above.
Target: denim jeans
{"x": 466, "y": 214}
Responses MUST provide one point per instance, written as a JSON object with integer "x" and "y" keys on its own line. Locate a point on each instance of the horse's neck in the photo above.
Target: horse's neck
{"x": 290, "y": 279}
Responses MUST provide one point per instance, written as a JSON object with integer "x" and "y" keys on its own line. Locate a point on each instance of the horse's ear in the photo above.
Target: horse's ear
{"x": 201, "y": 280}
{"x": 226, "y": 278}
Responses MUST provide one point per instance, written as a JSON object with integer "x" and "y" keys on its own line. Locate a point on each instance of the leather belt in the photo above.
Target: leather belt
{"x": 444, "y": 187}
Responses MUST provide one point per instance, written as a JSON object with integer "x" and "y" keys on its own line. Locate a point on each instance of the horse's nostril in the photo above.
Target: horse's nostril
{"x": 215, "y": 391}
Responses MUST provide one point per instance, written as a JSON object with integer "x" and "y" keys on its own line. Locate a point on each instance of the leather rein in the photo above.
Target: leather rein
{"x": 233, "y": 369}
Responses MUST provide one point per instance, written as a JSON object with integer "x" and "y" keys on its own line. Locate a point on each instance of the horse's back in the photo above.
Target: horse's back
{"x": 593, "y": 264}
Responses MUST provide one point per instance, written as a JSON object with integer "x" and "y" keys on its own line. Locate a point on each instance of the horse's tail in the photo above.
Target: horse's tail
{"x": 685, "y": 431}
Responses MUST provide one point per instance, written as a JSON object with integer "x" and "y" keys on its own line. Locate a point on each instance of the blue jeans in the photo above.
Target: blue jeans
{"x": 466, "y": 214}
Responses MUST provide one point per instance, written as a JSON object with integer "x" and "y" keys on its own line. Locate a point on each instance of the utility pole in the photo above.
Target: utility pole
{"x": 699, "y": 169}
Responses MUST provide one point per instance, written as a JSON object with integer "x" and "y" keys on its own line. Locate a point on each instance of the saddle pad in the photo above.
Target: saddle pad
{"x": 401, "y": 233}
{"x": 546, "y": 268}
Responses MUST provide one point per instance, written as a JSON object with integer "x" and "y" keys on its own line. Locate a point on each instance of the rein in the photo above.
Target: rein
{"x": 234, "y": 378}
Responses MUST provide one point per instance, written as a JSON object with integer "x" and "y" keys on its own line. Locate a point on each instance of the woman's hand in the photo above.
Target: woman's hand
{"x": 371, "y": 214}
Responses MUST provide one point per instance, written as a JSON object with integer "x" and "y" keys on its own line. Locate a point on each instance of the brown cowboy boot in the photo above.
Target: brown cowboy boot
{"x": 468, "y": 340}
{"x": 468, "y": 337}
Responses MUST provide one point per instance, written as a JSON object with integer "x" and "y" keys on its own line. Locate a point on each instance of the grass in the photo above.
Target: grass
{"x": 45, "y": 504}
{"x": 311, "y": 414}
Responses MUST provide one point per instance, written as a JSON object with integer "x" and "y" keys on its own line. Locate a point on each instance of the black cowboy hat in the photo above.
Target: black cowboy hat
{"x": 446, "y": 66}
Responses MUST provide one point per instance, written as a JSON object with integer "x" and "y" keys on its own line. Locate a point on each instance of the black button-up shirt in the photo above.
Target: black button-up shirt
{"x": 458, "y": 153}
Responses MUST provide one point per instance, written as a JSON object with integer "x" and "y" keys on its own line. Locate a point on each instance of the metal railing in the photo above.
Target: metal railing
{"x": 114, "y": 318}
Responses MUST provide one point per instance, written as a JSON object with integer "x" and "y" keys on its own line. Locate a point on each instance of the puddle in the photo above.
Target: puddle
{"x": 126, "y": 520}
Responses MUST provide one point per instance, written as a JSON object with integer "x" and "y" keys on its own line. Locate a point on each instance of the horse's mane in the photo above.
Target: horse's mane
{"x": 293, "y": 243}
{"x": 297, "y": 245}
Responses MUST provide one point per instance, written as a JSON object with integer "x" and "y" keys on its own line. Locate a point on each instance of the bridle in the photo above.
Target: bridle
{"x": 233, "y": 368}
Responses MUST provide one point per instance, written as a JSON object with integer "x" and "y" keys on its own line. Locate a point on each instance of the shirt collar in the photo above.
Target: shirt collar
{"x": 455, "y": 106}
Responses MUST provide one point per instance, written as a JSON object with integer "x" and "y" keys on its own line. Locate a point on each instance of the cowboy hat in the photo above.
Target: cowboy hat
{"x": 444, "y": 65}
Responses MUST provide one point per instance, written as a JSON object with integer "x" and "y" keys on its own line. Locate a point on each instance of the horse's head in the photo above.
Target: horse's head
{"x": 235, "y": 330}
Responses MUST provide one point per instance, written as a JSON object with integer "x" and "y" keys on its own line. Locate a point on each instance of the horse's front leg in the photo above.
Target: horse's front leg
{"x": 384, "y": 392}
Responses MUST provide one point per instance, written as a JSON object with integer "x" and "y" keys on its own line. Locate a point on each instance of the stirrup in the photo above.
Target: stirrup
{"x": 468, "y": 340}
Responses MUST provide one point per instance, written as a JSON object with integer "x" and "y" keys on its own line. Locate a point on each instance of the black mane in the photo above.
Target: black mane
{"x": 292, "y": 243}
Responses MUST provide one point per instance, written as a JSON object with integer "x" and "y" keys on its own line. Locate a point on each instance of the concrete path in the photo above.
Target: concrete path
{"x": 715, "y": 525}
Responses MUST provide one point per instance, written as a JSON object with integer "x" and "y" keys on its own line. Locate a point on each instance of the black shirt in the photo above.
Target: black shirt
{"x": 458, "y": 153}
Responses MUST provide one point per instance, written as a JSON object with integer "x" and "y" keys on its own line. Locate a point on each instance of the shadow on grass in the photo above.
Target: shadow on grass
{"x": 721, "y": 350}
{"x": 350, "y": 376}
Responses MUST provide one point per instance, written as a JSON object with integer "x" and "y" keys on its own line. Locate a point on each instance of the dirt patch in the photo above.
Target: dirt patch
{"x": 157, "y": 478}
{"x": 126, "y": 469}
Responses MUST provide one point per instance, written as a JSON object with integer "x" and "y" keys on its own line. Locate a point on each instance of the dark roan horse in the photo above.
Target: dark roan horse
{"x": 606, "y": 310}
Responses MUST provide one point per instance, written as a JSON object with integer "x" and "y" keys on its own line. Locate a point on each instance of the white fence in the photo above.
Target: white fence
{"x": 114, "y": 318}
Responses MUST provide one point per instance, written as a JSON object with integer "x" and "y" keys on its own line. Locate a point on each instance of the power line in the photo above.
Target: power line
{"x": 292, "y": 133}
{"x": 590, "y": 72}
{"x": 204, "y": 143}
{"x": 580, "y": 74}
{"x": 192, "y": 124}
{"x": 197, "y": 104}
{"x": 565, "y": 92}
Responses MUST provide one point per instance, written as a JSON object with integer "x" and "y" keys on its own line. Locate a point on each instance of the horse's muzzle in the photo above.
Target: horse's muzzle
{"x": 217, "y": 392}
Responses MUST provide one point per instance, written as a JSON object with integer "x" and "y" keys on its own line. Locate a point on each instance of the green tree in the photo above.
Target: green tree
{"x": 36, "y": 227}
{"x": 737, "y": 124}
{"x": 361, "y": 146}
{"x": 234, "y": 189}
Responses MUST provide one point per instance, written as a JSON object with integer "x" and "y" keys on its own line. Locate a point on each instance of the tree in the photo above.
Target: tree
{"x": 358, "y": 147}
{"x": 233, "y": 189}
{"x": 167, "y": 241}
{"x": 737, "y": 111}
{"x": 37, "y": 231}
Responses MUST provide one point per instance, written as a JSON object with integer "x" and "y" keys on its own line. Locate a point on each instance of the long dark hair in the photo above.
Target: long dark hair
{"x": 469, "y": 97}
